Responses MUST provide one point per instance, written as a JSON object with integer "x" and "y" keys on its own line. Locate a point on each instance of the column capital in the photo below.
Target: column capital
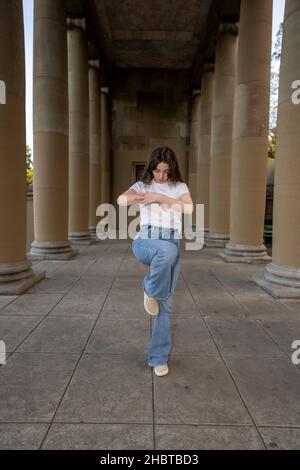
{"x": 232, "y": 28}
{"x": 76, "y": 23}
{"x": 196, "y": 92}
{"x": 105, "y": 90}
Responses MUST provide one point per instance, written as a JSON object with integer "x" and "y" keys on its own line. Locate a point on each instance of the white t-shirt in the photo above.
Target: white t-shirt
{"x": 166, "y": 215}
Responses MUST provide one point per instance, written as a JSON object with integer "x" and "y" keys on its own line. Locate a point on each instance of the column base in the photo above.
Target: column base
{"x": 81, "y": 238}
{"x": 216, "y": 240}
{"x": 53, "y": 250}
{"x": 235, "y": 253}
{"x": 93, "y": 233}
{"x": 17, "y": 278}
{"x": 280, "y": 282}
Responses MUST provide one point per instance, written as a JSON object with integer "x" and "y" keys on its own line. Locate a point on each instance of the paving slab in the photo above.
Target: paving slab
{"x": 32, "y": 304}
{"x": 191, "y": 338}
{"x": 22, "y": 436}
{"x": 128, "y": 304}
{"x": 242, "y": 337}
{"x": 207, "y": 438}
{"x": 221, "y": 304}
{"x": 59, "y": 335}
{"x": 109, "y": 389}
{"x": 198, "y": 391}
{"x": 283, "y": 332}
{"x": 281, "y": 438}
{"x": 270, "y": 388}
{"x": 80, "y": 305}
{"x": 99, "y": 437}
{"x": 95, "y": 285}
{"x": 32, "y": 386}
{"x": 6, "y": 300}
{"x": 126, "y": 336}
{"x": 53, "y": 286}
{"x": 13, "y": 330}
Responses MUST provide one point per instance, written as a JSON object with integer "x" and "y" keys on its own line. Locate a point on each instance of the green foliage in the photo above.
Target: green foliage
{"x": 278, "y": 44}
{"x": 29, "y": 167}
{"x": 274, "y": 92}
{"x": 272, "y": 144}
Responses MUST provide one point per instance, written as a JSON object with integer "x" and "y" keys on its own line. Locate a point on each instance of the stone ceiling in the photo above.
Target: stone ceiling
{"x": 169, "y": 34}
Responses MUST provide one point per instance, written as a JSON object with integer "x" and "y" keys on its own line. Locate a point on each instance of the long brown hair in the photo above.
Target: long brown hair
{"x": 162, "y": 155}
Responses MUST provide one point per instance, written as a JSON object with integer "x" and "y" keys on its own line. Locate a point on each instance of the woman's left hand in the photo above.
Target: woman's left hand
{"x": 152, "y": 198}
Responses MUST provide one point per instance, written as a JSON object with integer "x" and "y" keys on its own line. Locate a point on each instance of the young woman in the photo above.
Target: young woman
{"x": 162, "y": 197}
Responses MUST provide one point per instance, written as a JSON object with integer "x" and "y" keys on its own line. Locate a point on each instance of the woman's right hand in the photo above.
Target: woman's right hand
{"x": 139, "y": 198}
{"x": 131, "y": 197}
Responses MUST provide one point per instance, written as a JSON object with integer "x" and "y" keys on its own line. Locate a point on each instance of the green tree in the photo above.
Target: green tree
{"x": 29, "y": 166}
{"x": 272, "y": 144}
{"x": 275, "y": 71}
{"x": 274, "y": 91}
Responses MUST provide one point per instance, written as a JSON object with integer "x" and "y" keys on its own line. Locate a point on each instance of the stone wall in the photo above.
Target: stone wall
{"x": 150, "y": 108}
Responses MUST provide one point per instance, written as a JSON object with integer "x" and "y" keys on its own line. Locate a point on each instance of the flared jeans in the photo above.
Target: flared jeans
{"x": 162, "y": 254}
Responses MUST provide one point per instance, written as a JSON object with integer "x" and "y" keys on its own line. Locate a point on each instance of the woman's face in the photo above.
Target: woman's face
{"x": 161, "y": 173}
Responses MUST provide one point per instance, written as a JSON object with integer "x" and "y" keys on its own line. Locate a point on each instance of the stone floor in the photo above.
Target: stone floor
{"x": 76, "y": 375}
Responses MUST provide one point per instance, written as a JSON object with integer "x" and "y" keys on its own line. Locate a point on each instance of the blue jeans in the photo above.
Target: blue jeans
{"x": 163, "y": 255}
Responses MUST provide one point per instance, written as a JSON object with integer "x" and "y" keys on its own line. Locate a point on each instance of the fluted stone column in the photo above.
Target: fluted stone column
{"x": 203, "y": 166}
{"x": 105, "y": 146}
{"x": 282, "y": 276}
{"x": 194, "y": 145}
{"x": 16, "y": 275}
{"x": 79, "y": 162}
{"x": 95, "y": 144}
{"x": 250, "y": 134}
{"x": 221, "y": 136}
{"x": 50, "y": 127}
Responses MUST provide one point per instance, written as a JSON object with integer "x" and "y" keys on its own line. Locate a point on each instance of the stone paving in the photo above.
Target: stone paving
{"x": 76, "y": 375}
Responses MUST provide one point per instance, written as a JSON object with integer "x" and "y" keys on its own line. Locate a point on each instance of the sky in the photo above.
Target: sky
{"x": 278, "y": 13}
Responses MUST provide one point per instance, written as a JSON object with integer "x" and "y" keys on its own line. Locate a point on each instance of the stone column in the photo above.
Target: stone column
{"x": 16, "y": 275}
{"x": 194, "y": 145}
{"x": 282, "y": 276}
{"x": 250, "y": 134}
{"x": 105, "y": 146}
{"x": 221, "y": 136}
{"x": 50, "y": 128}
{"x": 203, "y": 166}
{"x": 95, "y": 144}
{"x": 79, "y": 161}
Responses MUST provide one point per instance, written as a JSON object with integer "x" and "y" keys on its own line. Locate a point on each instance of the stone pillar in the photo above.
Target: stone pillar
{"x": 221, "y": 136}
{"x": 194, "y": 146}
{"x": 95, "y": 144}
{"x": 250, "y": 134}
{"x": 79, "y": 161}
{"x": 50, "y": 128}
{"x": 203, "y": 166}
{"x": 282, "y": 276}
{"x": 16, "y": 275}
{"x": 105, "y": 146}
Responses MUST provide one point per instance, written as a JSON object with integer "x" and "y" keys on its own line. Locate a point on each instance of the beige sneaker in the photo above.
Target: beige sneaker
{"x": 160, "y": 371}
{"x": 151, "y": 305}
